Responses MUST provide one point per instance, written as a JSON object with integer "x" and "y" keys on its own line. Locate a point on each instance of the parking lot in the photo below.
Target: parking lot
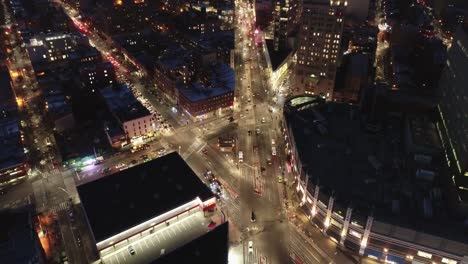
{"x": 162, "y": 241}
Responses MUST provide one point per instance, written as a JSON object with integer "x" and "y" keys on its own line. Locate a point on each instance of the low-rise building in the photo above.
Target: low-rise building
{"x": 144, "y": 201}
{"x": 131, "y": 115}
{"x": 213, "y": 93}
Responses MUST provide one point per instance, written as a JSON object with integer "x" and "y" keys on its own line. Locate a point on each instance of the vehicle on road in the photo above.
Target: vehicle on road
{"x": 241, "y": 156}
{"x": 250, "y": 245}
{"x": 120, "y": 166}
{"x": 273, "y": 151}
{"x": 161, "y": 151}
{"x": 280, "y": 179}
{"x": 252, "y": 217}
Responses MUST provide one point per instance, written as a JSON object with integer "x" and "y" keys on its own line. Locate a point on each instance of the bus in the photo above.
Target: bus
{"x": 241, "y": 156}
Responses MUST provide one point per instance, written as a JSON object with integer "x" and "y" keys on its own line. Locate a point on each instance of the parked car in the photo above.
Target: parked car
{"x": 131, "y": 250}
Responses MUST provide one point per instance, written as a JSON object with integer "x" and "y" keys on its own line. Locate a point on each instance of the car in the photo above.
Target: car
{"x": 253, "y": 218}
{"x": 263, "y": 170}
{"x": 263, "y": 120}
{"x": 257, "y": 131}
{"x": 131, "y": 250}
{"x": 134, "y": 161}
{"x": 250, "y": 246}
{"x": 120, "y": 165}
{"x": 144, "y": 156}
{"x": 161, "y": 151}
{"x": 269, "y": 161}
{"x": 249, "y": 132}
{"x": 280, "y": 179}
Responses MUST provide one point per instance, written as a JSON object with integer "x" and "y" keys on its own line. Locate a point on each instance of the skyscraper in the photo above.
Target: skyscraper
{"x": 453, "y": 110}
{"x": 319, "y": 44}
{"x": 286, "y": 17}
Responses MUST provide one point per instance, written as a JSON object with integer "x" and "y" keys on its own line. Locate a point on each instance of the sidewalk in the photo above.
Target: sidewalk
{"x": 324, "y": 245}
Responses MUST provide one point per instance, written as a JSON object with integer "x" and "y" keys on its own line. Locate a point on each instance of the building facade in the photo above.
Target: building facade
{"x": 319, "y": 44}
{"x": 453, "y": 109}
{"x": 351, "y": 226}
{"x": 286, "y": 17}
{"x": 97, "y": 76}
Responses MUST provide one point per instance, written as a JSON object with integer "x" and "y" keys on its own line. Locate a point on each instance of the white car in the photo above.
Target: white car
{"x": 250, "y": 247}
{"x": 120, "y": 166}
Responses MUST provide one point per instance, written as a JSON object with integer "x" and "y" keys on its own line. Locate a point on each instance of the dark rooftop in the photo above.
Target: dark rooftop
{"x": 277, "y": 57}
{"x": 222, "y": 80}
{"x": 363, "y": 165}
{"x": 123, "y": 103}
{"x": 18, "y": 239}
{"x": 7, "y": 97}
{"x": 127, "y": 198}
{"x": 211, "y": 248}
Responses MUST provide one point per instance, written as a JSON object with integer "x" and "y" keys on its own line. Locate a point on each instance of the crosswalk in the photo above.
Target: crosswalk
{"x": 16, "y": 203}
{"x": 55, "y": 208}
{"x": 197, "y": 144}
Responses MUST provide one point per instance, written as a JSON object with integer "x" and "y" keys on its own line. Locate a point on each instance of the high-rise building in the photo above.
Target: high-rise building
{"x": 286, "y": 17}
{"x": 358, "y": 10}
{"x": 453, "y": 110}
{"x": 319, "y": 44}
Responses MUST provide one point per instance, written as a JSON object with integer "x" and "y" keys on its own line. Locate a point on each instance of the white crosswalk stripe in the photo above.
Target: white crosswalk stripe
{"x": 59, "y": 207}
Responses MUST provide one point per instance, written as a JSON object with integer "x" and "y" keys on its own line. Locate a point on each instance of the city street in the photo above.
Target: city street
{"x": 253, "y": 198}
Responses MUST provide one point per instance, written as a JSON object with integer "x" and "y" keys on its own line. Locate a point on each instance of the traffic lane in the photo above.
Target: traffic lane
{"x": 276, "y": 252}
{"x": 301, "y": 248}
{"x": 95, "y": 171}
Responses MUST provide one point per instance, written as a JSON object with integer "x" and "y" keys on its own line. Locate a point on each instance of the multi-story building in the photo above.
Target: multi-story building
{"x": 286, "y": 17}
{"x": 358, "y": 10}
{"x": 379, "y": 203}
{"x": 137, "y": 122}
{"x": 60, "y": 50}
{"x": 355, "y": 71}
{"x": 51, "y": 48}
{"x": 453, "y": 109}
{"x": 97, "y": 76}
{"x": 263, "y": 13}
{"x": 319, "y": 45}
{"x": 13, "y": 161}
